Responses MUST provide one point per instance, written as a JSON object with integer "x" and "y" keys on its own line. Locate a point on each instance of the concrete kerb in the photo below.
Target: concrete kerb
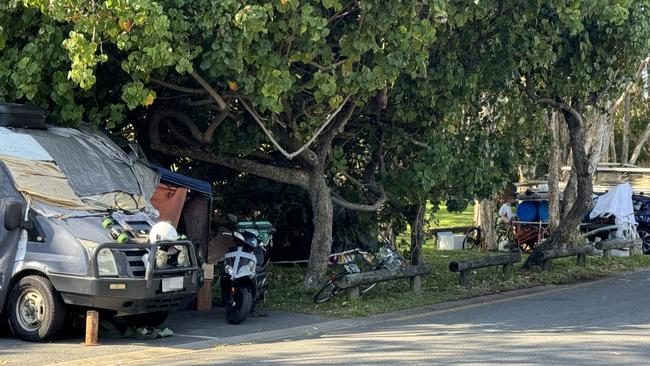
{"x": 334, "y": 325}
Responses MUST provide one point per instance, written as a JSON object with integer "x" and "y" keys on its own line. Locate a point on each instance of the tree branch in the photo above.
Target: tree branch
{"x": 177, "y": 87}
{"x": 561, "y": 106}
{"x": 201, "y": 137}
{"x": 629, "y": 86}
{"x": 337, "y": 128}
{"x": 221, "y": 105}
{"x": 361, "y": 207}
{"x": 415, "y": 142}
{"x": 275, "y": 143}
{"x": 275, "y": 173}
{"x": 639, "y": 146}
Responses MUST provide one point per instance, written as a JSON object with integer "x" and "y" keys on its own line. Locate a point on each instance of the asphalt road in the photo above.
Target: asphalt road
{"x": 603, "y": 323}
{"x": 600, "y": 323}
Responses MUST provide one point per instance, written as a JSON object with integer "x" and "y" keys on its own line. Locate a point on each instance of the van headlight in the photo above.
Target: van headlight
{"x": 106, "y": 263}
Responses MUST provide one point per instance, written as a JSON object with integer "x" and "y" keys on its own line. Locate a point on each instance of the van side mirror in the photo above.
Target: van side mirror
{"x": 13, "y": 215}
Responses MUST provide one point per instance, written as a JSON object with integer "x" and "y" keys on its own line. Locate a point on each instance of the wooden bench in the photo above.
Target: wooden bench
{"x": 580, "y": 252}
{"x": 465, "y": 267}
{"x": 352, "y": 281}
{"x": 607, "y": 245}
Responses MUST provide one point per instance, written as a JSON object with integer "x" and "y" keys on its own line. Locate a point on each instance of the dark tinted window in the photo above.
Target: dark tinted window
{"x": 35, "y": 233}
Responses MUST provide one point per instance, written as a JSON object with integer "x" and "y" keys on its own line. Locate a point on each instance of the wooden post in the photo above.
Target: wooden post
{"x": 353, "y": 292}
{"x": 491, "y": 260}
{"x": 381, "y": 275}
{"x": 507, "y": 269}
{"x": 607, "y": 253}
{"x": 465, "y": 277}
{"x": 581, "y": 260}
{"x": 204, "y": 296}
{"x": 416, "y": 285}
{"x": 92, "y": 328}
{"x": 547, "y": 265}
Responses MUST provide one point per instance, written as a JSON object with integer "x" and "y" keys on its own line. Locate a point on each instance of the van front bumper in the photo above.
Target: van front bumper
{"x": 128, "y": 294}
{"x": 124, "y": 295}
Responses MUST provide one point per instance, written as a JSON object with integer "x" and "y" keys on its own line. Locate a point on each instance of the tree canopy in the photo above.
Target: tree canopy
{"x": 359, "y": 103}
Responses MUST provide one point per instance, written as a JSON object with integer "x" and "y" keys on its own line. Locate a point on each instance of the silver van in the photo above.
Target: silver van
{"x": 78, "y": 230}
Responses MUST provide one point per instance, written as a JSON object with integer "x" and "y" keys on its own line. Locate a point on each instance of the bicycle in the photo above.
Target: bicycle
{"x": 388, "y": 259}
{"x": 472, "y": 238}
{"x": 505, "y": 232}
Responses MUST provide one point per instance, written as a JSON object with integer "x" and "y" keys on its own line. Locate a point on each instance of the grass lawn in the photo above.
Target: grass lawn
{"x": 440, "y": 219}
{"x": 285, "y": 292}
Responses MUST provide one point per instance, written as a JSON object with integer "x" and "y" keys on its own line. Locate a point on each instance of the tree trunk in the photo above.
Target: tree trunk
{"x": 195, "y": 218}
{"x": 625, "y": 147}
{"x": 639, "y": 146}
{"x": 416, "y": 219}
{"x": 570, "y": 192}
{"x": 565, "y": 145}
{"x": 486, "y": 223}
{"x": 599, "y": 133}
{"x": 323, "y": 218}
{"x": 417, "y": 232}
{"x": 553, "y": 174}
{"x": 609, "y": 134}
{"x": 612, "y": 148}
{"x": 565, "y": 232}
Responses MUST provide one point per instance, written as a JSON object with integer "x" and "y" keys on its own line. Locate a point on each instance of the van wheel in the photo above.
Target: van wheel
{"x": 36, "y": 311}
{"x": 147, "y": 320}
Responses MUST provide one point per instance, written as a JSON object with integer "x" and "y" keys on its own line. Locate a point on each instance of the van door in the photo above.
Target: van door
{"x": 8, "y": 239}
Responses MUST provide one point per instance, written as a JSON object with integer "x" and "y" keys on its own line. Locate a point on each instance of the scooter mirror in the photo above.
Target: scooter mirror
{"x": 272, "y": 231}
{"x": 232, "y": 218}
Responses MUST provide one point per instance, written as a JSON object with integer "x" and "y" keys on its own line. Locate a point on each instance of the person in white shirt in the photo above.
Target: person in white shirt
{"x": 505, "y": 212}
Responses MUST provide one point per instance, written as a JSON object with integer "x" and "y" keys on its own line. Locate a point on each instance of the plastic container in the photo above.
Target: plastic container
{"x": 542, "y": 210}
{"x": 458, "y": 241}
{"x": 445, "y": 240}
{"x": 527, "y": 211}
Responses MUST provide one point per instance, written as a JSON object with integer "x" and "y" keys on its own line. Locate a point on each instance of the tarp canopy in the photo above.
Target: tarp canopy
{"x": 21, "y": 146}
{"x": 93, "y": 163}
{"x": 618, "y": 202}
{"x": 43, "y": 181}
{"x": 67, "y": 171}
{"x": 181, "y": 180}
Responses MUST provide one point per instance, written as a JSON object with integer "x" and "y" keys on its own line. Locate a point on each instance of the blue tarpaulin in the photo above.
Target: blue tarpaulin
{"x": 198, "y": 185}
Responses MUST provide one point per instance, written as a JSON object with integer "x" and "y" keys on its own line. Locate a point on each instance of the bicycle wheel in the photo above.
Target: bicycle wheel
{"x": 329, "y": 290}
{"x": 472, "y": 239}
{"x": 364, "y": 289}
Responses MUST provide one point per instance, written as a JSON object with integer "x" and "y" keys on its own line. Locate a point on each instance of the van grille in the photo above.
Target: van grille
{"x": 134, "y": 264}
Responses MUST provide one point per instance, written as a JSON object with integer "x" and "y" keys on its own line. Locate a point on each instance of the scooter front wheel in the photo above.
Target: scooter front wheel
{"x": 239, "y": 305}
